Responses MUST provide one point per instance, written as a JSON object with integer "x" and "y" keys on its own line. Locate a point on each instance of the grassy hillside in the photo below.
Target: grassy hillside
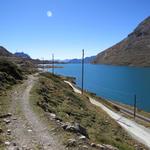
{"x": 55, "y": 96}
{"x": 13, "y": 70}
{"x": 10, "y": 73}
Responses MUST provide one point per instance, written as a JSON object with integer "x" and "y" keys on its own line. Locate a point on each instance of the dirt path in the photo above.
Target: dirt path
{"x": 28, "y": 131}
{"x": 137, "y": 131}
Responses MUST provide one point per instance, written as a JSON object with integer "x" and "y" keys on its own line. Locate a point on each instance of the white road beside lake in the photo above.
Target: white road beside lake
{"x": 137, "y": 131}
{"x": 76, "y": 90}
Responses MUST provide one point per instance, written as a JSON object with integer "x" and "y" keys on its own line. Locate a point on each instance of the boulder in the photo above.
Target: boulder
{"x": 71, "y": 128}
{"x": 53, "y": 116}
{"x": 8, "y": 132}
{"x": 82, "y": 137}
{"x": 7, "y": 121}
{"x": 7, "y": 143}
{"x": 76, "y": 128}
{"x": 101, "y": 147}
{"x": 64, "y": 125}
{"x": 71, "y": 143}
{"x": 110, "y": 147}
{"x": 93, "y": 145}
{"x": 29, "y": 130}
{"x": 81, "y": 129}
{"x": 84, "y": 147}
{"x": 106, "y": 147}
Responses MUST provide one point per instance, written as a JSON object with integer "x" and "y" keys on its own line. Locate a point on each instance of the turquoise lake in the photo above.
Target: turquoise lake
{"x": 115, "y": 83}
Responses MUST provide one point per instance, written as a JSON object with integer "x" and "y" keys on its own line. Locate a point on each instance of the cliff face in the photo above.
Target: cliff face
{"x": 133, "y": 50}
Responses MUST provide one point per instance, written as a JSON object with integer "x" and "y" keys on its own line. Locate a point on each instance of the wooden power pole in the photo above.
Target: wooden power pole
{"x": 82, "y": 70}
{"x": 134, "y": 106}
{"x": 52, "y": 63}
{"x": 43, "y": 64}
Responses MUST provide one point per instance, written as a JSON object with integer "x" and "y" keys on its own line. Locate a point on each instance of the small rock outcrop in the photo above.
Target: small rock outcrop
{"x": 76, "y": 128}
{"x": 106, "y": 147}
{"x": 71, "y": 143}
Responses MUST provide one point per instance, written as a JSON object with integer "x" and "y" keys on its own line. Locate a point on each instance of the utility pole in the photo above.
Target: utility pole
{"x": 134, "y": 106}
{"x": 43, "y": 64}
{"x": 82, "y": 70}
{"x": 52, "y": 63}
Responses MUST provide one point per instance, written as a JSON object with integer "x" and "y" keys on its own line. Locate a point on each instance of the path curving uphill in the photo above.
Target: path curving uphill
{"x": 28, "y": 130}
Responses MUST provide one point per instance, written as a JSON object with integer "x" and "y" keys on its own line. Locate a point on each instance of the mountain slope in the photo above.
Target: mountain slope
{"x": 133, "y": 50}
{"x": 4, "y": 52}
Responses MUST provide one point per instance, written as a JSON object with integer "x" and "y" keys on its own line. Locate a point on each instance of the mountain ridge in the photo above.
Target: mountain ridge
{"x": 76, "y": 60}
{"x": 134, "y": 50}
{"x": 5, "y": 52}
{"x": 22, "y": 55}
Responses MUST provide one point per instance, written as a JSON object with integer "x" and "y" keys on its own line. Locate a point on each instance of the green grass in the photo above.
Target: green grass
{"x": 57, "y": 97}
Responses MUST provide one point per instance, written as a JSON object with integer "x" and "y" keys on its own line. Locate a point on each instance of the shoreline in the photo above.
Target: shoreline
{"x": 49, "y": 66}
{"x": 125, "y": 109}
{"x": 136, "y": 130}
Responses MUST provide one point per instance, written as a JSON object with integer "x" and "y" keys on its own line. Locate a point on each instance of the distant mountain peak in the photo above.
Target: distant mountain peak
{"x": 75, "y": 60}
{"x": 22, "y": 55}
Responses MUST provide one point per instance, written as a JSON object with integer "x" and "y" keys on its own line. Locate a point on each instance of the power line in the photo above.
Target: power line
{"x": 134, "y": 106}
{"x": 43, "y": 63}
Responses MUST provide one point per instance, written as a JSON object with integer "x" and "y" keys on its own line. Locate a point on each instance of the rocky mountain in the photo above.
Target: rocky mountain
{"x": 22, "y": 55}
{"x": 134, "y": 50}
{"x": 86, "y": 60}
{"x": 5, "y": 52}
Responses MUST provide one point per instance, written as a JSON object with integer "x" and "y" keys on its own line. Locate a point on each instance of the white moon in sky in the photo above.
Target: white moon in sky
{"x": 49, "y": 13}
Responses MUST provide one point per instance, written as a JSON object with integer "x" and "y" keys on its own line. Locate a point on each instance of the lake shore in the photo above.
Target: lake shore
{"x": 58, "y": 97}
{"x": 141, "y": 116}
{"x": 137, "y": 131}
{"x": 113, "y": 82}
{"x": 49, "y": 66}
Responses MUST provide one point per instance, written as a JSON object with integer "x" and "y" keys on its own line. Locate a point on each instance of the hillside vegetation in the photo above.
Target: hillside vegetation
{"x": 13, "y": 70}
{"x": 56, "y": 97}
{"x": 4, "y": 52}
{"x": 10, "y": 73}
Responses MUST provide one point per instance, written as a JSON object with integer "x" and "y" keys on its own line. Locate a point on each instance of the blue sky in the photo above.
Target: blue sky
{"x": 70, "y": 25}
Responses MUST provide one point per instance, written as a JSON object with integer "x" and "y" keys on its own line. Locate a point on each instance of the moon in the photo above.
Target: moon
{"x": 49, "y": 13}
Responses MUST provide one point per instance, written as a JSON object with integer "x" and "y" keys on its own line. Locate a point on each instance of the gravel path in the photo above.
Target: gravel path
{"x": 28, "y": 130}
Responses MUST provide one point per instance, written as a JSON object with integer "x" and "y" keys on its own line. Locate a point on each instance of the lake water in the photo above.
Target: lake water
{"x": 113, "y": 82}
